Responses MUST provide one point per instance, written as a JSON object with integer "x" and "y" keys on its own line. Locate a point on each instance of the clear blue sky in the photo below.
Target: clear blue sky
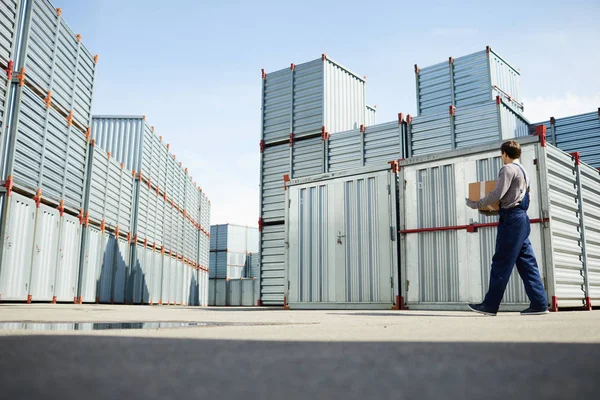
{"x": 193, "y": 67}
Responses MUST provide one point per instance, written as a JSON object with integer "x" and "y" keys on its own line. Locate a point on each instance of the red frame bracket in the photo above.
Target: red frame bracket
{"x": 540, "y": 130}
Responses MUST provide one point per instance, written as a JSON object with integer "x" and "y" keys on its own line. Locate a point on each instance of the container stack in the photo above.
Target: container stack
{"x": 46, "y": 94}
{"x": 204, "y": 240}
{"x": 301, "y": 106}
{"x": 167, "y": 208}
{"x": 108, "y": 217}
{"x": 576, "y": 133}
{"x": 465, "y": 102}
{"x": 231, "y": 247}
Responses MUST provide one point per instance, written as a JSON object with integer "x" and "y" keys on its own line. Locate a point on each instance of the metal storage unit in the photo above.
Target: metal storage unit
{"x": 305, "y": 98}
{"x": 8, "y": 24}
{"x": 18, "y": 229}
{"x": 45, "y": 254}
{"x": 341, "y": 249}
{"x": 579, "y": 133}
{"x": 473, "y": 79}
{"x": 465, "y": 126}
{"x": 232, "y": 244}
{"x": 371, "y": 116}
{"x": 275, "y": 163}
{"x": 446, "y": 248}
{"x": 253, "y": 265}
{"x": 67, "y": 268}
{"x": 121, "y": 136}
{"x": 367, "y": 146}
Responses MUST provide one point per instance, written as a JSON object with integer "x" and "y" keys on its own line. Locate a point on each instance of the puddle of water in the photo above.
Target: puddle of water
{"x": 99, "y": 326}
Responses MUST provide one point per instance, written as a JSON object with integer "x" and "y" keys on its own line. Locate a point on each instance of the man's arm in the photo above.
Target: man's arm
{"x": 502, "y": 187}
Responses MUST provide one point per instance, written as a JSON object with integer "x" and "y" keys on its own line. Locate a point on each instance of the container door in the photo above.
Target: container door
{"x": 341, "y": 237}
{"x": 166, "y": 281}
{"x": 138, "y": 276}
{"x": 156, "y": 277}
{"x": 45, "y": 254}
{"x": 67, "y": 269}
{"x": 147, "y": 272}
{"x": 15, "y": 269}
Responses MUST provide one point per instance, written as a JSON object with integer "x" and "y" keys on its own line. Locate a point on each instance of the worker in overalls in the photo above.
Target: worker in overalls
{"x": 512, "y": 243}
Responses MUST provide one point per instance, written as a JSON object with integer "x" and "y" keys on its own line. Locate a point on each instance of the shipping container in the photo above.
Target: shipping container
{"x": 308, "y": 98}
{"x": 272, "y": 264}
{"x": 447, "y": 248}
{"x": 465, "y": 81}
{"x": 460, "y": 127}
{"x": 577, "y": 133}
{"x": 340, "y": 236}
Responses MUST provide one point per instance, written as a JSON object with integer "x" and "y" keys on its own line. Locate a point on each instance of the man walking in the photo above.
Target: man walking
{"x": 512, "y": 243}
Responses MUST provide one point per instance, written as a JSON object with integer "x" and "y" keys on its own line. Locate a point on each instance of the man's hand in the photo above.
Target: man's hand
{"x": 471, "y": 204}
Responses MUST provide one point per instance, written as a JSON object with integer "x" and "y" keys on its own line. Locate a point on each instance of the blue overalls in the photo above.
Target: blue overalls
{"x": 513, "y": 247}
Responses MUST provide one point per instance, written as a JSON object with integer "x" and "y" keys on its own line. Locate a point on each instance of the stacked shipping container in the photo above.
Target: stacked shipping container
{"x": 45, "y": 101}
{"x": 169, "y": 212}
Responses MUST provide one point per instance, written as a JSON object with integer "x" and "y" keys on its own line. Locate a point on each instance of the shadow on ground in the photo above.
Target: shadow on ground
{"x": 85, "y": 367}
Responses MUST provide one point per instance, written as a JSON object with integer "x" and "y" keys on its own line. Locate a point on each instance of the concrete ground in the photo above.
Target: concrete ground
{"x": 261, "y": 353}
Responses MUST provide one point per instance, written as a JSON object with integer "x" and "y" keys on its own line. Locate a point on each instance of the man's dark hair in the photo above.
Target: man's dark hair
{"x": 511, "y": 149}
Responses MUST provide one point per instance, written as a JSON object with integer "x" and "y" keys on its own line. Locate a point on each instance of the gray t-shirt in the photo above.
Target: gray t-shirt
{"x": 510, "y": 189}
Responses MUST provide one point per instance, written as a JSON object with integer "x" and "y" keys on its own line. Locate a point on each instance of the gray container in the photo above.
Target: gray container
{"x": 579, "y": 133}
{"x": 305, "y": 99}
{"x": 341, "y": 240}
{"x": 461, "y": 127}
{"x": 565, "y": 228}
{"x": 473, "y": 79}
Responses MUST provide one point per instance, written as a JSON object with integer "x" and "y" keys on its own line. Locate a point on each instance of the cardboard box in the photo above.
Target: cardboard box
{"x": 479, "y": 190}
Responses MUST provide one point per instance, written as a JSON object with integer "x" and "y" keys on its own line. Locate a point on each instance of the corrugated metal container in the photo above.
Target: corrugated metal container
{"x": 465, "y": 126}
{"x": 233, "y": 292}
{"x": 308, "y": 157}
{"x": 341, "y": 249}
{"x": 473, "y": 79}
{"x": 579, "y": 133}
{"x": 371, "y": 116}
{"x": 18, "y": 230}
{"x": 121, "y": 267}
{"x": 45, "y": 254}
{"x": 275, "y": 163}
{"x": 42, "y": 152}
{"x": 109, "y": 192}
{"x": 91, "y": 264}
{"x": 55, "y": 60}
{"x": 447, "y": 248}
{"x": 303, "y": 99}
{"x": 8, "y": 24}
{"x": 373, "y": 145}
{"x": 67, "y": 268}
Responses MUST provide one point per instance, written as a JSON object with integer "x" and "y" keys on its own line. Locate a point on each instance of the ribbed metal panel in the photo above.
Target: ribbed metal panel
{"x": 67, "y": 268}
{"x": 344, "y": 150}
{"x": 122, "y": 137}
{"x": 590, "y": 179}
{"x": 430, "y": 133}
{"x": 277, "y": 105}
{"x": 487, "y": 170}
{"x": 252, "y": 240}
{"x": 371, "y": 116}
{"x": 138, "y": 284}
{"x": 438, "y": 251}
{"x": 45, "y": 254}
{"x": 179, "y": 282}
{"x": 91, "y": 264}
{"x": 147, "y": 270}
{"x": 272, "y": 271}
{"x": 48, "y": 154}
{"x": 275, "y": 164}
{"x": 253, "y": 265}
{"x": 566, "y": 238}
{"x": 383, "y": 143}
{"x": 469, "y": 80}
{"x": 172, "y": 280}
{"x": 434, "y": 91}
{"x": 8, "y": 24}
{"x": 342, "y": 241}
{"x": 578, "y": 133}
{"x": 56, "y": 61}
{"x": 308, "y": 157}
{"x": 304, "y": 98}
{"x": 18, "y": 235}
